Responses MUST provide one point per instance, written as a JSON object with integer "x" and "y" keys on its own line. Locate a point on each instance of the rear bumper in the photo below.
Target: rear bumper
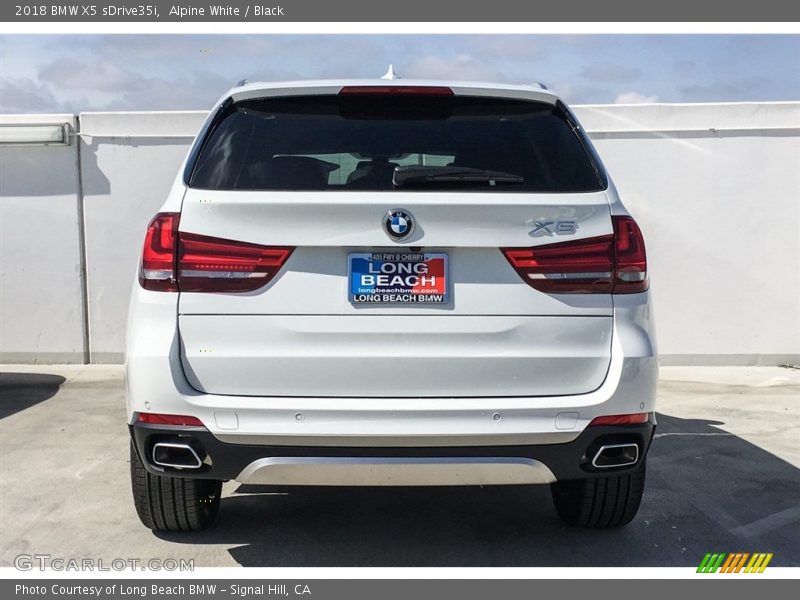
{"x": 157, "y": 383}
{"x": 395, "y": 465}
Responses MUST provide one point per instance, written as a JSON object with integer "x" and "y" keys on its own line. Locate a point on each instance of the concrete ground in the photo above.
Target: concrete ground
{"x": 723, "y": 475}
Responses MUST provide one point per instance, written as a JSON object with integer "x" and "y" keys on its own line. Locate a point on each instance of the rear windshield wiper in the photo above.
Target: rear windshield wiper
{"x": 416, "y": 175}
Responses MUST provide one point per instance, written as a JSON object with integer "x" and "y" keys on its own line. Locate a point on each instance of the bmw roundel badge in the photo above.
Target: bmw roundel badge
{"x": 399, "y": 224}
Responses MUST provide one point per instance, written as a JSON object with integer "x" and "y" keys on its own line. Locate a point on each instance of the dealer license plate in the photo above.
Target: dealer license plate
{"x": 398, "y": 277}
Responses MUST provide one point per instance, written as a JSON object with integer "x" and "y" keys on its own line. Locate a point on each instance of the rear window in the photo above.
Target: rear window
{"x": 357, "y": 142}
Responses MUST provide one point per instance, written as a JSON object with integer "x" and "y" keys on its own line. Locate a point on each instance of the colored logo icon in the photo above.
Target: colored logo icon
{"x": 735, "y": 562}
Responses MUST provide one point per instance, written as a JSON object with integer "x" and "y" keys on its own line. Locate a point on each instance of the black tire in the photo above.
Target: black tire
{"x": 166, "y": 503}
{"x": 600, "y": 502}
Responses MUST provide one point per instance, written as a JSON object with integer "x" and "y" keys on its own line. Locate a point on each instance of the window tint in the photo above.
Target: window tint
{"x": 356, "y": 142}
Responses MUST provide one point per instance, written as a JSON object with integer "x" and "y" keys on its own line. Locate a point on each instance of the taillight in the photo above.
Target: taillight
{"x": 397, "y": 90}
{"x": 582, "y": 266}
{"x": 207, "y": 264}
{"x": 157, "y": 269}
{"x": 631, "y": 260}
{"x": 598, "y": 265}
{"x": 631, "y": 419}
{"x": 173, "y": 261}
{"x": 160, "y": 419}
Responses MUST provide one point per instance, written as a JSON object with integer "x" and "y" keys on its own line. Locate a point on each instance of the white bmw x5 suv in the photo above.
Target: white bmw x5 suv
{"x": 379, "y": 282}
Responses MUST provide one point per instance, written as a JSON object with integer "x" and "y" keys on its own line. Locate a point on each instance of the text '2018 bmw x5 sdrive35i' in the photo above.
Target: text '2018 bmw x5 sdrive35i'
{"x": 382, "y": 282}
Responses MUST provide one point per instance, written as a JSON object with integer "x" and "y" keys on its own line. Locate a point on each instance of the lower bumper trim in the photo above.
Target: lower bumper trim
{"x": 399, "y": 471}
{"x": 390, "y": 465}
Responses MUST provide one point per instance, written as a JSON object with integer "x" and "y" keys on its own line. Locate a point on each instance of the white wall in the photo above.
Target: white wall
{"x": 41, "y": 317}
{"x": 716, "y": 188}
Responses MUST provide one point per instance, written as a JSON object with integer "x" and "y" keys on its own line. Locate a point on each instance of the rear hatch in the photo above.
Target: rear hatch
{"x": 379, "y": 220}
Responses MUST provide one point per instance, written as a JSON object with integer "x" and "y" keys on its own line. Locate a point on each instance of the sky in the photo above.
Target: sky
{"x": 75, "y": 73}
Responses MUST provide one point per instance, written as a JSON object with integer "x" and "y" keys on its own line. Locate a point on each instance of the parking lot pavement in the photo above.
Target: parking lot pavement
{"x": 723, "y": 475}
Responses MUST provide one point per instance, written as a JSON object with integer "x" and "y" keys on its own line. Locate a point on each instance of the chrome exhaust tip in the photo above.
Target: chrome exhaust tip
{"x": 175, "y": 456}
{"x": 616, "y": 455}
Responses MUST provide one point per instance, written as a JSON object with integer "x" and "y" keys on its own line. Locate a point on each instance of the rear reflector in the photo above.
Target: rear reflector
{"x": 173, "y": 261}
{"x": 633, "y": 419}
{"x": 158, "y": 419}
{"x": 598, "y": 265}
{"x": 400, "y": 90}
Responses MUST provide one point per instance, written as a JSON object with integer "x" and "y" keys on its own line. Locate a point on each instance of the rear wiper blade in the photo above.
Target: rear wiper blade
{"x": 421, "y": 175}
